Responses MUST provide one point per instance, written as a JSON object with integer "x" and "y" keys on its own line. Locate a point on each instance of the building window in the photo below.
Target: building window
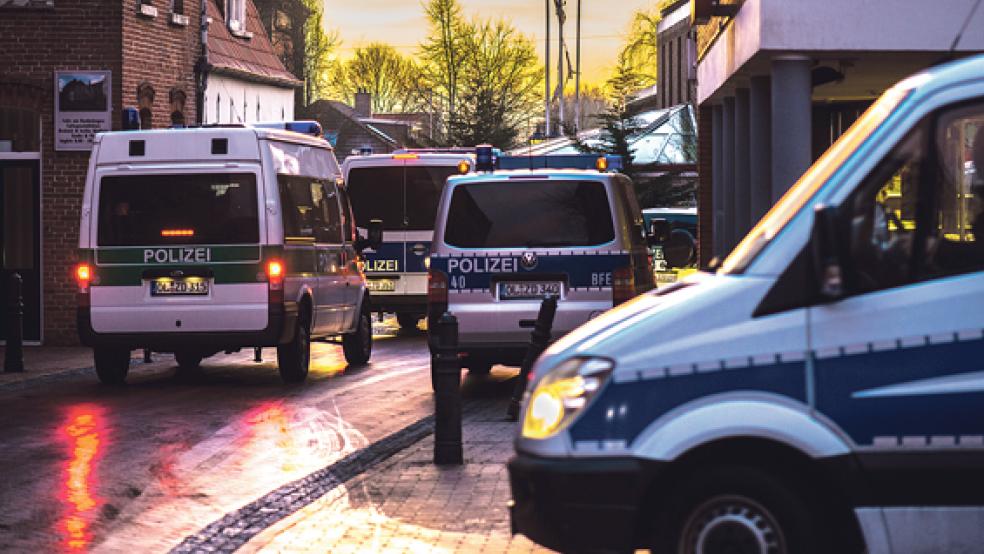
{"x": 145, "y": 101}
{"x": 236, "y": 15}
{"x": 178, "y": 6}
{"x": 176, "y": 99}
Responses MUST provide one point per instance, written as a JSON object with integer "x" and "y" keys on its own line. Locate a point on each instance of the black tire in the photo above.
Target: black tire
{"x": 188, "y": 360}
{"x": 294, "y": 358}
{"x": 737, "y": 510}
{"x": 112, "y": 365}
{"x": 408, "y": 322}
{"x": 357, "y": 346}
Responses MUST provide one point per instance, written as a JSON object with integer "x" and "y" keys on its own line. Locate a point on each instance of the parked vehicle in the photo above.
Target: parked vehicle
{"x": 674, "y": 248}
{"x": 822, "y": 392}
{"x": 198, "y": 241}
{"x": 403, "y": 190}
{"x": 504, "y": 240}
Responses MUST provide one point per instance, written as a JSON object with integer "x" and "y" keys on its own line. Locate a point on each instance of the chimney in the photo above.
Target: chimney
{"x": 363, "y": 103}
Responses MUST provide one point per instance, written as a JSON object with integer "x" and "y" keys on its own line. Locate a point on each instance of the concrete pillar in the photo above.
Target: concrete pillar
{"x": 760, "y": 146}
{"x": 717, "y": 191}
{"x": 728, "y": 173}
{"x": 791, "y": 121}
{"x": 743, "y": 196}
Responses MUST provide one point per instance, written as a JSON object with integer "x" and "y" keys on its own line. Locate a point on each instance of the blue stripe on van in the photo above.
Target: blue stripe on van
{"x": 581, "y": 270}
{"x": 624, "y": 410}
{"x": 388, "y": 258}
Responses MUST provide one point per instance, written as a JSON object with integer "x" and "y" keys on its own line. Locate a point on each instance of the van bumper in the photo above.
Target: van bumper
{"x": 281, "y": 323}
{"x": 579, "y": 505}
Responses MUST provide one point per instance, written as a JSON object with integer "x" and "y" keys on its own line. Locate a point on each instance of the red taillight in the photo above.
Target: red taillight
{"x": 83, "y": 276}
{"x": 275, "y": 274}
{"x": 623, "y": 285}
{"x": 437, "y": 287}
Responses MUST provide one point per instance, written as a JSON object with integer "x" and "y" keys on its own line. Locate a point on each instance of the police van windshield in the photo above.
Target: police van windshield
{"x": 524, "y": 214}
{"x": 142, "y": 210}
{"x": 405, "y": 198}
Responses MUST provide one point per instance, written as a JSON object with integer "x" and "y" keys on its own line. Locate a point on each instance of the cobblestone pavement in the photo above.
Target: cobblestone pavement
{"x": 406, "y": 504}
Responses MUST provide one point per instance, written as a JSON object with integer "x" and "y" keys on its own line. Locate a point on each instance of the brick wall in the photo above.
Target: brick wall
{"x": 86, "y": 35}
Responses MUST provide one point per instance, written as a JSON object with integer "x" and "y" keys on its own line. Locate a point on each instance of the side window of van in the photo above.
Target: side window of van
{"x": 348, "y": 219}
{"x": 333, "y": 216}
{"x": 303, "y": 203}
{"x": 955, "y": 243}
{"x": 882, "y": 219}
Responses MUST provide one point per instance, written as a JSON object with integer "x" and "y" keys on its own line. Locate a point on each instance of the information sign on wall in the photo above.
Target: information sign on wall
{"x": 83, "y": 107}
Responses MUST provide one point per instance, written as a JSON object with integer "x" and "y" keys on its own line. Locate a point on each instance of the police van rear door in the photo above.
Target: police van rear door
{"x": 404, "y": 195}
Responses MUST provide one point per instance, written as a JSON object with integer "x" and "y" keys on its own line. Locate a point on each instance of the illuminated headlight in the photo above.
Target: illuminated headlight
{"x": 427, "y": 263}
{"x": 562, "y": 393}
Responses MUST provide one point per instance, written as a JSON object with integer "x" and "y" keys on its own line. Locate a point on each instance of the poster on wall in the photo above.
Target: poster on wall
{"x": 83, "y": 107}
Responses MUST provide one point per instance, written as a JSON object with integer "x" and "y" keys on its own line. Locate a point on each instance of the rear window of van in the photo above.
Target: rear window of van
{"x": 529, "y": 213}
{"x": 151, "y": 210}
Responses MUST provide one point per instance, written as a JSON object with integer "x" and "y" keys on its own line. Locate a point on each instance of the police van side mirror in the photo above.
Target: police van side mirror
{"x": 374, "y": 236}
{"x": 658, "y": 232}
{"x": 375, "y": 233}
{"x": 827, "y": 253}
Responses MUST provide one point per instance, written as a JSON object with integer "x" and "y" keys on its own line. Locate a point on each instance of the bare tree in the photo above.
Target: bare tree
{"x": 319, "y": 49}
{"x": 440, "y": 53}
{"x": 392, "y": 79}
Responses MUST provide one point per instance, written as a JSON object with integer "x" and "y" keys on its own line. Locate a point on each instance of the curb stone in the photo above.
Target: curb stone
{"x": 236, "y": 528}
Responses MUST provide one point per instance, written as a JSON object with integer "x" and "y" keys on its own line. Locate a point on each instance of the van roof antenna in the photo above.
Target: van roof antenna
{"x": 956, "y": 39}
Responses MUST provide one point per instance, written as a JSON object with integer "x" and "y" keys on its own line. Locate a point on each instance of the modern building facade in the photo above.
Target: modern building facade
{"x": 779, "y": 80}
{"x": 67, "y": 68}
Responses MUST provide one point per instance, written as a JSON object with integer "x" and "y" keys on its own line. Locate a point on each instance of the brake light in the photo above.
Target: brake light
{"x": 83, "y": 276}
{"x": 623, "y": 285}
{"x": 275, "y": 274}
{"x": 437, "y": 287}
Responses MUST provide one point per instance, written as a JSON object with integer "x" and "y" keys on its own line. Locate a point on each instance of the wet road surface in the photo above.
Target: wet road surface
{"x": 139, "y": 467}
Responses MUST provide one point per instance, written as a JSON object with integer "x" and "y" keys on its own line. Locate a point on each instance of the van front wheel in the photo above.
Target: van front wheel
{"x": 294, "y": 358}
{"x": 357, "y": 346}
{"x": 112, "y": 365}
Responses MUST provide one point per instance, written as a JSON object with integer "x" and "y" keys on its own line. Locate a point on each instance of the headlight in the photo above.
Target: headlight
{"x": 562, "y": 393}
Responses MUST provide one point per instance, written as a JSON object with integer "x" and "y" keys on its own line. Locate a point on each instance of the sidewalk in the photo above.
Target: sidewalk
{"x": 46, "y": 362}
{"x": 407, "y": 504}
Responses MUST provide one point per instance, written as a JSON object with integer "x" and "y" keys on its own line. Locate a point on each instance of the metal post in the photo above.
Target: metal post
{"x": 258, "y": 354}
{"x": 13, "y": 359}
{"x": 446, "y": 372}
{"x": 577, "y": 73}
{"x": 742, "y": 182}
{"x": 539, "y": 340}
{"x": 147, "y": 358}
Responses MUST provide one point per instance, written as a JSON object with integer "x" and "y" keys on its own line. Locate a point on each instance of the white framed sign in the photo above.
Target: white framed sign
{"x": 83, "y": 107}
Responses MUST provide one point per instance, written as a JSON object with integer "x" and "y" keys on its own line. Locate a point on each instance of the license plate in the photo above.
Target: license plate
{"x": 381, "y": 285}
{"x": 527, "y": 290}
{"x": 179, "y": 287}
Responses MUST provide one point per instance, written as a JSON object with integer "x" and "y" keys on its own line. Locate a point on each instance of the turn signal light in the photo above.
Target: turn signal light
{"x": 601, "y": 164}
{"x": 463, "y": 167}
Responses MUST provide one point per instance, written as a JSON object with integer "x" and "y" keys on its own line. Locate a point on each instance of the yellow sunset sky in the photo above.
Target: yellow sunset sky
{"x": 402, "y": 24}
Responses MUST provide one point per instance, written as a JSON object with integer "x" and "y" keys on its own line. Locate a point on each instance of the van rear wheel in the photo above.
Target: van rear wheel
{"x": 357, "y": 346}
{"x": 294, "y": 358}
{"x": 112, "y": 365}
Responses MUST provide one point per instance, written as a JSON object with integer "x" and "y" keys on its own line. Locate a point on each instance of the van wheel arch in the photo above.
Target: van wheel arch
{"x": 828, "y": 491}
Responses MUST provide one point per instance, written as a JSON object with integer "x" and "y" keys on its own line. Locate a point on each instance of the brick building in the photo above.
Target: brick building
{"x": 355, "y": 130}
{"x": 67, "y": 67}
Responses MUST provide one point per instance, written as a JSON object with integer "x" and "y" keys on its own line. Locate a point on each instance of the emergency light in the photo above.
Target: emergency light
{"x": 312, "y": 128}
{"x": 130, "y": 119}
{"x": 484, "y": 158}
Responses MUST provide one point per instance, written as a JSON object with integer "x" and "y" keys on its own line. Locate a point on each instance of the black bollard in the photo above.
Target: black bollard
{"x": 539, "y": 340}
{"x": 147, "y": 358}
{"x": 446, "y": 372}
{"x": 258, "y": 354}
{"x": 13, "y": 359}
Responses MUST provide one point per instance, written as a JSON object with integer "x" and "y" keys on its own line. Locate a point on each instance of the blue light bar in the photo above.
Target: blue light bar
{"x": 312, "y": 128}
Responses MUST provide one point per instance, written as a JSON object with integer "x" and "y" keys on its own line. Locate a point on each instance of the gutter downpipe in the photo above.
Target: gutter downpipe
{"x": 201, "y": 67}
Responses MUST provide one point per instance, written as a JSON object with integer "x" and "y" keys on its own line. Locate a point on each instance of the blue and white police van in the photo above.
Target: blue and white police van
{"x": 504, "y": 240}
{"x": 823, "y": 391}
{"x": 402, "y": 189}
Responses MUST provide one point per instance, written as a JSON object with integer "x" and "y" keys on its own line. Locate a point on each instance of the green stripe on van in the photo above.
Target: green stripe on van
{"x": 171, "y": 255}
{"x": 121, "y": 276}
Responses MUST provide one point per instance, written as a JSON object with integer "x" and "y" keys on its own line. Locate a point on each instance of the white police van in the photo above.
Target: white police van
{"x": 197, "y": 241}
{"x": 504, "y": 240}
{"x": 822, "y": 392}
{"x": 402, "y": 189}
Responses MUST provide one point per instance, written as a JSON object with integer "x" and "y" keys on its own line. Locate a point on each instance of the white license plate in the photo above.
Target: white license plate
{"x": 179, "y": 287}
{"x": 381, "y": 285}
{"x": 526, "y": 290}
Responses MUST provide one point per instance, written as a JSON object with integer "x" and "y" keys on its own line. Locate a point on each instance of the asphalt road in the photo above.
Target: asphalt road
{"x": 140, "y": 467}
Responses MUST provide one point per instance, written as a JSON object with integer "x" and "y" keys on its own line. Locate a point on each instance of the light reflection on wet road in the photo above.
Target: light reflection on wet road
{"x": 86, "y": 466}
